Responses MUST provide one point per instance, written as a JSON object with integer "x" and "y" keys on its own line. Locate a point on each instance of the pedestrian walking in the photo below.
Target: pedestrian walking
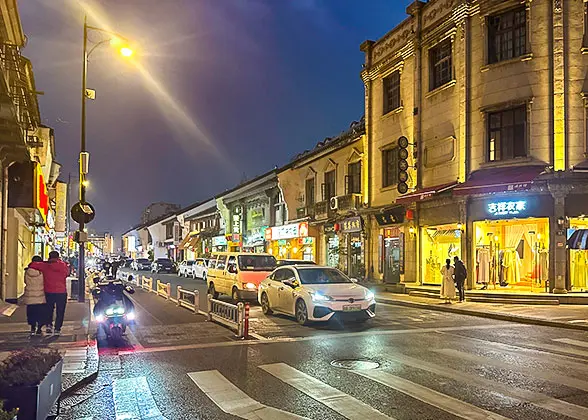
{"x": 460, "y": 277}
{"x": 448, "y": 284}
{"x": 34, "y": 298}
{"x": 55, "y": 272}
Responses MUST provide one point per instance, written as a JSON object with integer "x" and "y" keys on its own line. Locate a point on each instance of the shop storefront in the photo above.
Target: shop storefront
{"x": 219, "y": 243}
{"x": 254, "y": 240}
{"x": 294, "y": 241}
{"x": 391, "y": 244}
{"x": 577, "y": 242}
{"x": 352, "y": 245}
{"x": 511, "y": 241}
{"x": 331, "y": 245}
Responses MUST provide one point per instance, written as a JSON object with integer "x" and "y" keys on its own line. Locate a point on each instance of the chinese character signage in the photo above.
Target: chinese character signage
{"x": 352, "y": 224}
{"x": 61, "y": 206}
{"x": 507, "y": 208}
{"x": 295, "y": 230}
{"x": 391, "y": 216}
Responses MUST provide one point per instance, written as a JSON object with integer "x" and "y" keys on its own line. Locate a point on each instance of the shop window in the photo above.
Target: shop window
{"x": 309, "y": 192}
{"x": 507, "y": 35}
{"x": 440, "y": 63}
{"x": 389, "y": 167}
{"x": 578, "y": 257}
{"x": 507, "y": 137}
{"x": 353, "y": 182}
{"x": 329, "y": 186}
{"x": 169, "y": 231}
{"x": 439, "y": 244}
{"x": 391, "y": 85}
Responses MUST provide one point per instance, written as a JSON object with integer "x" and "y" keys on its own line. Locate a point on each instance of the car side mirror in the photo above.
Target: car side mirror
{"x": 291, "y": 282}
{"x": 354, "y": 280}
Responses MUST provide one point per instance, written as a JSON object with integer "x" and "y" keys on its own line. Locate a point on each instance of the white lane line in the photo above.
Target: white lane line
{"x": 571, "y": 341}
{"x": 525, "y": 370}
{"x": 578, "y": 321}
{"x": 535, "y": 398}
{"x": 133, "y": 400}
{"x": 232, "y": 400}
{"x": 74, "y": 360}
{"x": 567, "y": 350}
{"x": 346, "y": 405}
{"x": 436, "y": 399}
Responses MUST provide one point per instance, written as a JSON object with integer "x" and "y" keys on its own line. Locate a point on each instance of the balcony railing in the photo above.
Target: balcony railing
{"x": 306, "y": 211}
{"x": 349, "y": 202}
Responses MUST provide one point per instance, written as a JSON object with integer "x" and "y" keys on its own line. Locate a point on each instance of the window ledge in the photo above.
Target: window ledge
{"x": 508, "y": 162}
{"x": 394, "y": 111}
{"x": 524, "y": 57}
{"x": 441, "y": 88}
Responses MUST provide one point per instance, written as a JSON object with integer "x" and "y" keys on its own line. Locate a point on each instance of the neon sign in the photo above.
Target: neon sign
{"x": 504, "y": 208}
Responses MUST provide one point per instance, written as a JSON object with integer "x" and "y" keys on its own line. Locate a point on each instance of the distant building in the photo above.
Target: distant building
{"x": 156, "y": 210}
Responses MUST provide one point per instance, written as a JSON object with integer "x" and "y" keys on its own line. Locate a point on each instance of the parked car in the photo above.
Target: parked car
{"x": 200, "y": 268}
{"x": 315, "y": 293}
{"x": 238, "y": 274}
{"x": 295, "y": 262}
{"x": 162, "y": 265}
{"x": 185, "y": 268}
{"x": 141, "y": 264}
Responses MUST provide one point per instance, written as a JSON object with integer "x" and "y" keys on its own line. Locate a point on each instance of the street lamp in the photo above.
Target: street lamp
{"x": 84, "y": 209}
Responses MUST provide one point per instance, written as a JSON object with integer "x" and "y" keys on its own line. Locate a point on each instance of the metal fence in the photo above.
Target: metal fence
{"x": 232, "y": 316}
{"x": 189, "y": 299}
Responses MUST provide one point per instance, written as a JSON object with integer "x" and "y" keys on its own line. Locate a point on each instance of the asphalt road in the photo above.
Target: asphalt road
{"x": 428, "y": 365}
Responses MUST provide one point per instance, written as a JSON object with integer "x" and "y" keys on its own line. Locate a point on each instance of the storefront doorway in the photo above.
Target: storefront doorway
{"x": 439, "y": 243}
{"x": 332, "y": 242}
{"x": 578, "y": 254}
{"x": 392, "y": 259}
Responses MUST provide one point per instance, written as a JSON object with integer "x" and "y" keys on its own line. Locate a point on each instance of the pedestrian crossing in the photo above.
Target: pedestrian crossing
{"x": 422, "y": 378}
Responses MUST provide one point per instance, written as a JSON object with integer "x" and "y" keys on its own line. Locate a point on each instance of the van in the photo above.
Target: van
{"x": 238, "y": 274}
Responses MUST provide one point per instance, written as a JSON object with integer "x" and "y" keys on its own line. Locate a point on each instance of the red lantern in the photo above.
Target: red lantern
{"x": 409, "y": 214}
{"x": 336, "y": 227}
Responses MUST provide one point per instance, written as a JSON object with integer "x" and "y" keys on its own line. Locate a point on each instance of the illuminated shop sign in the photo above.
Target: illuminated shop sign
{"x": 219, "y": 241}
{"x": 295, "y": 230}
{"x": 507, "y": 208}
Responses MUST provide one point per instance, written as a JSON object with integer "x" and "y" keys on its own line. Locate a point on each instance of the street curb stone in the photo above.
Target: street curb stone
{"x": 492, "y": 315}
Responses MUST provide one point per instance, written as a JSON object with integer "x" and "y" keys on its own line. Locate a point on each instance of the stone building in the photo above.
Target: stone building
{"x": 489, "y": 99}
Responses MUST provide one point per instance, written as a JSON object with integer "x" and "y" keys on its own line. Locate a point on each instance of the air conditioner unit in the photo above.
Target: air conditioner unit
{"x": 334, "y": 203}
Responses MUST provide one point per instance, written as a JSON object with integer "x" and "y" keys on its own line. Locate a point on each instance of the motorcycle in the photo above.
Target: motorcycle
{"x": 113, "y": 310}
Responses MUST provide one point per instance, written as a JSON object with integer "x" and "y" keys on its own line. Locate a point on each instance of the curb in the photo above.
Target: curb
{"x": 492, "y": 315}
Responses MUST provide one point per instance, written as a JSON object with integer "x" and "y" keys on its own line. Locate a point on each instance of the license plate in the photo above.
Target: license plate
{"x": 351, "y": 308}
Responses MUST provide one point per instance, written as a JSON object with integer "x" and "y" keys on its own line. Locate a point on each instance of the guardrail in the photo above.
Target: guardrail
{"x": 147, "y": 283}
{"x": 189, "y": 299}
{"x": 229, "y": 315}
{"x": 163, "y": 289}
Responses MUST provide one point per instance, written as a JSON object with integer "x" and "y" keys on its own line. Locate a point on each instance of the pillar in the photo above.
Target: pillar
{"x": 557, "y": 245}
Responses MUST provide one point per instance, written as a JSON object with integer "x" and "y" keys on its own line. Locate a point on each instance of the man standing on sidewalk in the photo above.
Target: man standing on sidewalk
{"x": 460, "y": 277}
{"x": 55, "y": 272}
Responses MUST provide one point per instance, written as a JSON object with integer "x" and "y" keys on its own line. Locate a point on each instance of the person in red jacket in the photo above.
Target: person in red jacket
{"x": 55, "y": 272}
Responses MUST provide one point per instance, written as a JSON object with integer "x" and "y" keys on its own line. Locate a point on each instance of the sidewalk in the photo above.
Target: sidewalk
{"x": 561, "y": 316}
{"x": 80, "y": 354}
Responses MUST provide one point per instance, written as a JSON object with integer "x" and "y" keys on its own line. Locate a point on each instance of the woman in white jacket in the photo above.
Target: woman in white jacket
{"x": 448, "y": 285}
{"x": 34, "y": 298}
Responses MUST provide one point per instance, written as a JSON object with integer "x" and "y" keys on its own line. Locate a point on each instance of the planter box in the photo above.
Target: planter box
{"x": 35, "y": 402}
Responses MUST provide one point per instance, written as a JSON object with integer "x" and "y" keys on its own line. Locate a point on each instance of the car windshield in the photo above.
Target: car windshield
{"x": 256, "y": 262}
{"x": 142, "y": 260}
{"x": 322, "y": 276}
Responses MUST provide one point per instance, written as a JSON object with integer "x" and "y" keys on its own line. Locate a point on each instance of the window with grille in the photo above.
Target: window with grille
{"x": 354, "y": 178}
{"x": 507, "y": 35}
{"x": 309, "y": 192}
{"x": 441, "y": 64}
{"x": 389, "y": 167}
{"x": 329, "y": 185}
{"x": 391, "y": 92}
{"x": 507, "y": 134}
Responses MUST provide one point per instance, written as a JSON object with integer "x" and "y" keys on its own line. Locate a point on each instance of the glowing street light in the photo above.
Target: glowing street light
{"x": 126, "y": 52}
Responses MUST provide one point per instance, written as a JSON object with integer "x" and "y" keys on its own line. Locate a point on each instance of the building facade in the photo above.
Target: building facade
{"x": 476, "y": 125}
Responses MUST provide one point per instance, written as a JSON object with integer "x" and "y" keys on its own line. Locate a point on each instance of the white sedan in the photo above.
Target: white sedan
{"x": 314, "y": 293}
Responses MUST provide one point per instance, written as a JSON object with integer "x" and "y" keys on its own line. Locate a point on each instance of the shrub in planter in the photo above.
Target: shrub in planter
{"x": 7, "y": 415}
{"x": 31, "y": 381}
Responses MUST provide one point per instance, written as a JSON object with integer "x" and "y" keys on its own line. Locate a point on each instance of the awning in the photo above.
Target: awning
{"x": 425, "y": 193}
{"x": 498, "y": 180}
{"x": 185, "y": 243}
{"x": 578, "y": 239}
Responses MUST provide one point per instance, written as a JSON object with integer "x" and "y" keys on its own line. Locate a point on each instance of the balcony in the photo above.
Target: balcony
{"x": 349, "y": 202}
{"x": 307, "y": 211}
{"x": 322, "y": 210}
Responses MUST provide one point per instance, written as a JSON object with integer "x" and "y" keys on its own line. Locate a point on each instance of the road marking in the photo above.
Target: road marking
{"x": 540, "y": 400}
{"x": 537, "y": 373}
{"x": 578, "y": 321}
{"x": 232, "y": 400}
{"x": 571, "y": 341}
{"x": 133, "y": 400}
{"x": 133, "y": 341}
{"x": 320, "y": 337}
{"x": 568, "y": 350}
{"x": 145, "y": 310}
{"x": 74, "y": 360}
{"x": 344, "y": 404}
{"x": 436, "y": 399}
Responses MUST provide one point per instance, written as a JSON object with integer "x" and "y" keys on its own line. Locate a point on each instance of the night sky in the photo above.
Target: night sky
{"x": 223, "y": 89}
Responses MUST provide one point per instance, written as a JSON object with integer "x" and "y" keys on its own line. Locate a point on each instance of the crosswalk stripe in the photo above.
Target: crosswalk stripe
{"x": 346, "y": 405}
{"x": 540, "y": 400}
{"x": 436, "y": 399}
{"x": 133, "y": 400}
{"x": 537, "y": 373}
{"x": 571, "y": 341}
{"x": 232, "y": 400}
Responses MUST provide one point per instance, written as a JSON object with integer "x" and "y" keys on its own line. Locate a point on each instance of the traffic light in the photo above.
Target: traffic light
{"x": 403, "y": 166}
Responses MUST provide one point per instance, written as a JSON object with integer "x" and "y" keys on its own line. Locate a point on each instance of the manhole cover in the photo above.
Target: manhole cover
{"x": 353, "y": 364}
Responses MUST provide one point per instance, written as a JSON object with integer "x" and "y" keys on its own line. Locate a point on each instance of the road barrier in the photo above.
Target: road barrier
{"x": 188, "y": 299}
{"x": 163, "y": 289}
{"x": 147, "y": 283}
{"x": 232, "y": 316}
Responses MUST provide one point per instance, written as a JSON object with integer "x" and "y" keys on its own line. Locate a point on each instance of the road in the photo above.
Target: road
{"x": 423, "y": 365}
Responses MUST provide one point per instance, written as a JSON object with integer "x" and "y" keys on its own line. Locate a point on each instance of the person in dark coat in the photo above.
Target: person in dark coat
{"x": 460, "y": 277}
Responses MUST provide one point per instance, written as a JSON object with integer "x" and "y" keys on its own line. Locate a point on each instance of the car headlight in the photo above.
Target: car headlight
{"x": 109, "y": 311}
{"x": 369, "y": 295}
{"x": 130, "y": 316}
{"x": 250, "y": 286}
{"x": 319, "y": 297}
{"x": 100, "y": 318}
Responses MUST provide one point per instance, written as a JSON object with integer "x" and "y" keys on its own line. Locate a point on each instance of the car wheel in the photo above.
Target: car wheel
{"x": 265, "y": 305}
{"x": 301, "y": 312}
{"x": 204, "y": 277}
{"x": 179, "y": 274}
{"x": 193, "y": 276}
{"x": 212, "y": 291}
{"x": 235, "y": 295}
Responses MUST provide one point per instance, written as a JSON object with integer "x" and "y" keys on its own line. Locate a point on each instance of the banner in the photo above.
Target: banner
{"x": 60, "y": 206}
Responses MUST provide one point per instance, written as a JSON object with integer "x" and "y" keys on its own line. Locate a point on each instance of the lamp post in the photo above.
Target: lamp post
{"x": 87, "y": 210}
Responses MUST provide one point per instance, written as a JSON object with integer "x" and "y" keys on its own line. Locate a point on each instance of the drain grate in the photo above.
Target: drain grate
{"x": 355, "y": 364}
